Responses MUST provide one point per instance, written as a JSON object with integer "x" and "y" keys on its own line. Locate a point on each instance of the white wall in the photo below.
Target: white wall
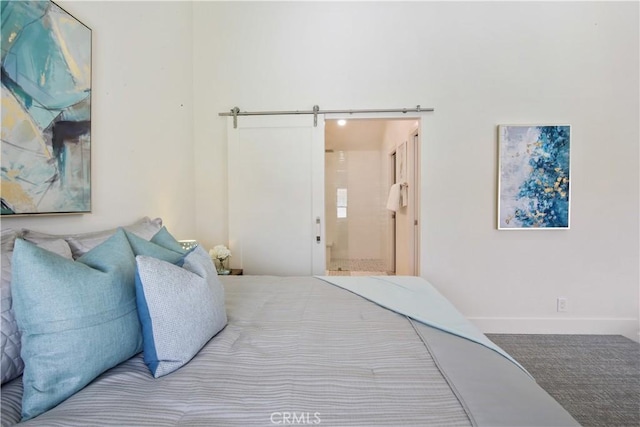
{"x": 479, "y": 64}
{"x": 163, "y": 70}
{"x": 142, "y": 118}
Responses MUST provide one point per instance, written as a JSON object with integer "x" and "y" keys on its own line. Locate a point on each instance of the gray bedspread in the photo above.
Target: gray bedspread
{"x": 300, "y": 351}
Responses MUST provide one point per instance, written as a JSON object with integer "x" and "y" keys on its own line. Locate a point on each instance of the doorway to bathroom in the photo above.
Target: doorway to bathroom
{"x": 372, "y": 196}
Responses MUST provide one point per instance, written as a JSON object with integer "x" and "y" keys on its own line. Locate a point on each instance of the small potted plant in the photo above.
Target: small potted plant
{"x": 220, "y": 255}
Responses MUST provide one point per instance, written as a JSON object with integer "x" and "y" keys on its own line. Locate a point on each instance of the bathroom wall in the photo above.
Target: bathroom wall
{"x": 366, "y": 224}
{"x": 359, "y": 235}
{"x": 397, "y": 132}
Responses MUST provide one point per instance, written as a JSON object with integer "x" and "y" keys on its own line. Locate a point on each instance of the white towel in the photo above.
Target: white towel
{"x": 393, "y": 203}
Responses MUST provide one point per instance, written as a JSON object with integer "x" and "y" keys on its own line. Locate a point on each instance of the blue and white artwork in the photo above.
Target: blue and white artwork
{"x": 46, "y": 110}
{"x": 534, "y": 179}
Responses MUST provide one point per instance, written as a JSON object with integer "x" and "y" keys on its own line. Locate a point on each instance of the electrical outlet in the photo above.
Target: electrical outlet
{"x": 562, "y": 305}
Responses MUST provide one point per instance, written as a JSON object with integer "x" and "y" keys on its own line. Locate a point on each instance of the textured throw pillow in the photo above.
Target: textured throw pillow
{"x": 77, "y": 318}
{"x": 180, "y": 309}
{"x": 12, "y": 364}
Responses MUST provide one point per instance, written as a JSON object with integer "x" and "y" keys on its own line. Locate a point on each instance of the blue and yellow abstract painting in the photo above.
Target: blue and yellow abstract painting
{"x": 534, "y": 178}
{"x": 46, "y": 110}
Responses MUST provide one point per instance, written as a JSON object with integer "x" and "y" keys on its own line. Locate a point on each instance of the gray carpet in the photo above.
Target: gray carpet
{"x": 596, "y": 378}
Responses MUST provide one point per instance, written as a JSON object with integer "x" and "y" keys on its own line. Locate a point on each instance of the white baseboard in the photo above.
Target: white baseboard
{"x": 627, "y": 327}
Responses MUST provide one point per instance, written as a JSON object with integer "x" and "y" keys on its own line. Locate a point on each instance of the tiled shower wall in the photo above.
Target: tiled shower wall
{"x": 361, "y": 234}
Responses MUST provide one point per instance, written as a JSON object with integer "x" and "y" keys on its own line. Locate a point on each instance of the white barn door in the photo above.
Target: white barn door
{"x": 276, "y": 195}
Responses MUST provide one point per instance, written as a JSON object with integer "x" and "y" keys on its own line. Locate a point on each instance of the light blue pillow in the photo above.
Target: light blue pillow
{"x": 165, "y": 239}
{"x": 78, "y": 318}
{"x": 180, "y": 308}
{"x": 160, "y": 248}
{"x": 12, "y": 364}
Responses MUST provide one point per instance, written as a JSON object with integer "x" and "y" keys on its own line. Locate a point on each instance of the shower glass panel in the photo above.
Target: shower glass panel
{"x": 336, "y": 210}
{"x": 356, "y": 218}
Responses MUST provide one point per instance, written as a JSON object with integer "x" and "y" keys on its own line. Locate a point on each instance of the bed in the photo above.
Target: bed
{"x": 341, "y": 351}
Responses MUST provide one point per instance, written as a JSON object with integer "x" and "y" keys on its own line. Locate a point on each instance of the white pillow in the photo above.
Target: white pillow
{"x": 180, "y": 308}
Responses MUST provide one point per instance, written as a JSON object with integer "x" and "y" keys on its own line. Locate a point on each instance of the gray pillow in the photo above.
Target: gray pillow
{"x": 146, "y": 228}
{"x": 58, "y": 246}
{"x": 12, "y": 364}
{"x": 180, "y": 308}
{"x": 80, "y": 244}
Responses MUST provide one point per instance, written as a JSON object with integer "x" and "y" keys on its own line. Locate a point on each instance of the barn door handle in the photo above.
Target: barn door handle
{"x": 318, "y": 230}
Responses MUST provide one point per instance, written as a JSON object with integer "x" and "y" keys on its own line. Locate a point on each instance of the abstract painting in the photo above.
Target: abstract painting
{"x": 46, "y": 110}
{"x": 534, "y": 179}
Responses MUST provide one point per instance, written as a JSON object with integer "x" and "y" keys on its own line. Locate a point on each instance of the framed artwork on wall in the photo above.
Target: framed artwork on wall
{"x": 402, "y": 162}
{"x": 534, "y": 177}
{"x": 403, "y": 175}
{"x": 46, "y": 110}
